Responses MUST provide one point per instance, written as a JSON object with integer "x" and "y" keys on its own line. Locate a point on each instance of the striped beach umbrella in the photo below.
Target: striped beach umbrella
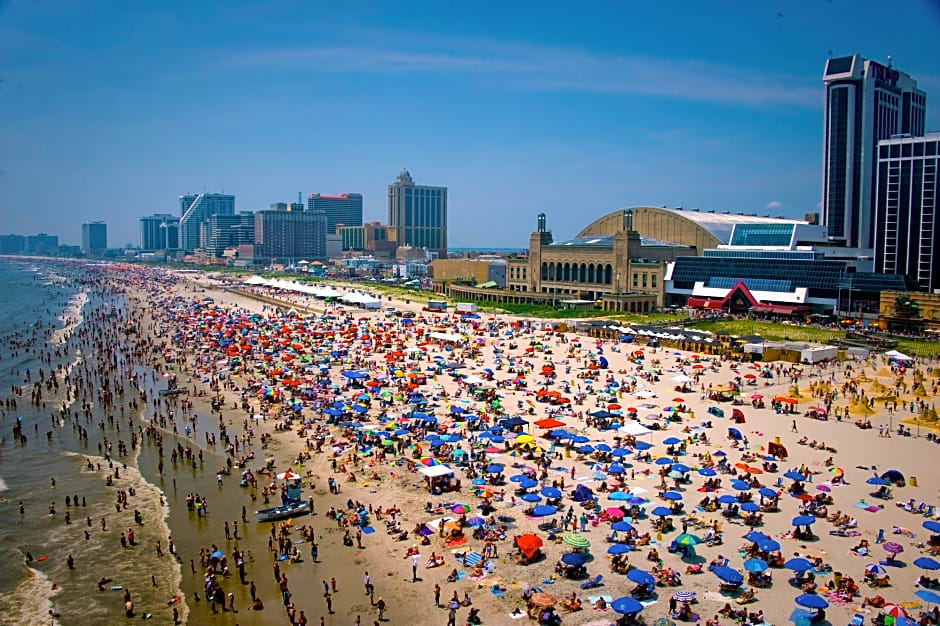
{"x": 687, "y": 539}
{"x": 684, "y": 596}
{"x": 894, "y": 610}
{"x": 576, "y": 540}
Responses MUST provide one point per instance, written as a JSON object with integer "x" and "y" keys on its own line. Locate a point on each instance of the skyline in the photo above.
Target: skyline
{"x": 574, "y": 115}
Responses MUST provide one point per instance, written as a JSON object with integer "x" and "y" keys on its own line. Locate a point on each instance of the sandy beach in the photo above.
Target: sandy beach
{"x": 370, "y": 403}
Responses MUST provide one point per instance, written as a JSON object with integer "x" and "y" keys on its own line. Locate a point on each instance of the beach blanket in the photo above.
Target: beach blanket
{"x": 867, "y": 507}
{"x": 473, "y": 558}
{"x": 456, "y": 542}
{"x": 368, "y": 530}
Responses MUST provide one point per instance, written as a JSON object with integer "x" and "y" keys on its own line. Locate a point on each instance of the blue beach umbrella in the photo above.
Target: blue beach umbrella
{"x": 679, "y": 467}
{"x": 620, "y": 452}
{"x": 750, "y": 507}
{"x": 672, "y": 495}
{"x": 494, "y": 468}
{"x": 642, "y": 445}
{"x": 755, "y": 536}
{"x": 663, "y": 460}
{"x": 767, "y": 492}
{"x": 671, "y": 441}
{"x": 585, "y": 450}
{"x": 551, "y": 492}
{"x": 544, "y": 509}
{"x": 661, "y": 511}
{"x": 925, "y": 562}
{"x": 932, "y": 526}
{"x": 621, "y": 526}
{"x": 812, "y": 601}
{"x": 531, "y": 497}
{"x": 804, "y": 520}
{"x": 574, "y": 559}
{"x": 728, "y": 575}
{"x": 528, "y": 483}
{"x": 876, "y": 480}
{"x": 641, "y": 577}
{"x": 768, "y": 545}
{"x": 794, "y": 476}
{"x": 727, "y": 499}
{"x": 928, "y": 596}
{"x": 626, "y": 606}
{"x": 517, "y": 478}
{"x": 740, "y": 485}
{"x": 707, "y": 471}
{"x": 798, "y": 564}
{"x": 619, "y": 548}
{"x": 619, "y": 495}
{"x": 755, "y": 565}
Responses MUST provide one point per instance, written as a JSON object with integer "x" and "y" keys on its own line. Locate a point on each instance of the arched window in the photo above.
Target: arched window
{"x": 608, "y": 275}
{"x": 590, "y": 276}
{"x": 544, "y": 270}
{"x": 551, "y": 271}
{"x": 566, "y": 276}
{"x": 582, "y": 273}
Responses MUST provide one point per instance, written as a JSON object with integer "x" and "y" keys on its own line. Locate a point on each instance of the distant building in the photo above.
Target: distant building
{"x": 227, "y": 231}
{"x": 278, "y": 206}
{"x": 370, "y": 237}
{"x": 94, "y": 238}
{"x": 865, "y": 103}
{"x": 12, "y": 244}
{"x": 417, "y": 214}
{"x": 345, "y": 209}
{"x": 196, "y": 209}
{"x": 159, "y": 232}
{"x": 476, "y": 271}
{"x": 907, "y": 240}
{"x": 285, "y": 236}
{"x": 42, "y": 244}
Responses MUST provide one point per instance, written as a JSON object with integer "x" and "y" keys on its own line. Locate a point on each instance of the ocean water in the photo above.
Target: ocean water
{"x": 43, "y": 310}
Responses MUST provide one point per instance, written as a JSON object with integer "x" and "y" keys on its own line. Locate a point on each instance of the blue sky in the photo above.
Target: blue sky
{"x": 110, "y": 111}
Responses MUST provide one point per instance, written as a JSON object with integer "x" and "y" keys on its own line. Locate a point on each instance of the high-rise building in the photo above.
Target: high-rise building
{"x": 865, "y": 103}
{"x": 94, "y": 238}
{"x": 907, "y": 240}
{"x": 417, "y": 214}
{"x": 41, "y": 243}
{"x": 228, "y": 231}
{"x": 12, "y": 244}
{"x": 345, "y": 209}
{"x": 159, "y": 231}
{"x": 288, "y": 236}
{"x": 196, "y": 209}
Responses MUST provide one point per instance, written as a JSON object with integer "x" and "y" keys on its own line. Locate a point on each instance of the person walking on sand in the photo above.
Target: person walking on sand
{"x": 794, "y": 429}
{"x": 414, "y": 568}
{"x": 437, "y": 595}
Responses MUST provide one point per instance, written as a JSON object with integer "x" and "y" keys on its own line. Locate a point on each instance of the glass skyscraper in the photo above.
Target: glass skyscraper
{"x": 345, "y": 209}
{"x": 417, "y": 214}
{"x": 907, "y": 240}
{"x": 865, "y": 103}
{"x": 196, "y": 209}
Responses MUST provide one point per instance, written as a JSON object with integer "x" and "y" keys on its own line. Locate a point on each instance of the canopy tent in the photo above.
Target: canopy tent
{"x": 446, "y": 337}
{"x": 635, "y": 429}
{"x": 435, "y": 470}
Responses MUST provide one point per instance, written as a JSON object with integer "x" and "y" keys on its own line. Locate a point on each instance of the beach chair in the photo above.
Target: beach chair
{"x": 929, "y": 511}
{"x": 858, "y": 620}
{"x": 593, "y": 583}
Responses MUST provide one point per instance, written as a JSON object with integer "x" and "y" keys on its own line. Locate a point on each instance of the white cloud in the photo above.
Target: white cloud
{"x": 548, "y": 68}
{"x": 773, "y": 205}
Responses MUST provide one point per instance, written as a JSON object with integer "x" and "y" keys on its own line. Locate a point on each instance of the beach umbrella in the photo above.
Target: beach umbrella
{"x": 551, "y": 492}
{"x": 576, "y": 540}
{"x": 517, "y": 478}
{"x": 932, "y": 525}
{"x": 218, "y": 554}
{"x": 768, "y": 545}
{"x": 529, "y": 543}
{"x": 635, "y": 500}
{"x": 707, "y": 472}
{"x": 661, "y": 511}
{"x": 543, "y": 600}
{"x": 620, "y": 452}
{"x": 876, "y": 480}
{"x": 728, "y": 575}
{"x": 755, "y": 536}
{"x": 672, "y": 495}
{"x": 727, "y": 499}
{"x": 812, "y": 601}
{"x": 544, "y": 509}
{"x": 663, "y": 460}
{"x": 687, "y": 539}
{"x": 621, "y": 526}
{"x": 767, "y": 492}
{"x": 574, "y": 559}
{"x": 642, "y": 445}
{"x": 603, "y": 447}
{"x": 755, "y": 565}
{"x": 615, "y": 512}
{"x": 671, "y": 441}
{"x": 750, "y": 507}
{"x": 740, "y": 485}
{"x": 893, "y": 547}
{"x": 798, "y": 564}
{"x": 684, "y": 596}
{"x": 804, "y": 520}
{"x": 585, "y": 449}
{"x": 894, "y": 610}
{"x": 531, "y": 497}
{"x": 528, "y": 483}
{"x": 641, "y": 577}
{"x": 620, "y": 495}
{"x": 626, "y": 606}
{"x": 928, "y": 596}
{"x": 476, "y": 521}
{"x": 616, "y": 468}
{"x": 460, "y": 509}
{"x": 494, "y": 468}
{"x": 794, "y": 476}
{"x": 925, "y": 562}
{"x": 876, "y": 570}
{"x": 288, "y": 475}
{"x": 619, "y": 548}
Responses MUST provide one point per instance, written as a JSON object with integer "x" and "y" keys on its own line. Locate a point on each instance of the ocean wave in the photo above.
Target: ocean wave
{"x": 30, "y": 602}
{"x": 71, "y": 317}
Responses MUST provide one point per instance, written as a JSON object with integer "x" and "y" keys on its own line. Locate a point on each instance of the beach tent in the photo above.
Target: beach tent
{"x": 436, "y": 470}
{"x": 635, "y": 429}
{"x": 894, "y": 355}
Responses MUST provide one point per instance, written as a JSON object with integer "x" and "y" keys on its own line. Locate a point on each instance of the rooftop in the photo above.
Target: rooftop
{"x": 720, "y": 225}
{"x": 607, "y": 241}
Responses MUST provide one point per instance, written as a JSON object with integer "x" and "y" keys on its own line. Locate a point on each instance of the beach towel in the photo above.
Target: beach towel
{"x": 473, "y": 559}
{"x": 456, "y": 542}
{"x": 368, "y": 530}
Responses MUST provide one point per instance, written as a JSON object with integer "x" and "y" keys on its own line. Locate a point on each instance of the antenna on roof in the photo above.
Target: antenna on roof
{"x": 889, "y": 60}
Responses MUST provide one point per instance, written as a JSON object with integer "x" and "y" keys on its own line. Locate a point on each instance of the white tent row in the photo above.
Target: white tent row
{"x": 363, "y": 300}
{"x": 446, "y": 336}
{"x": 310, "y": 290}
